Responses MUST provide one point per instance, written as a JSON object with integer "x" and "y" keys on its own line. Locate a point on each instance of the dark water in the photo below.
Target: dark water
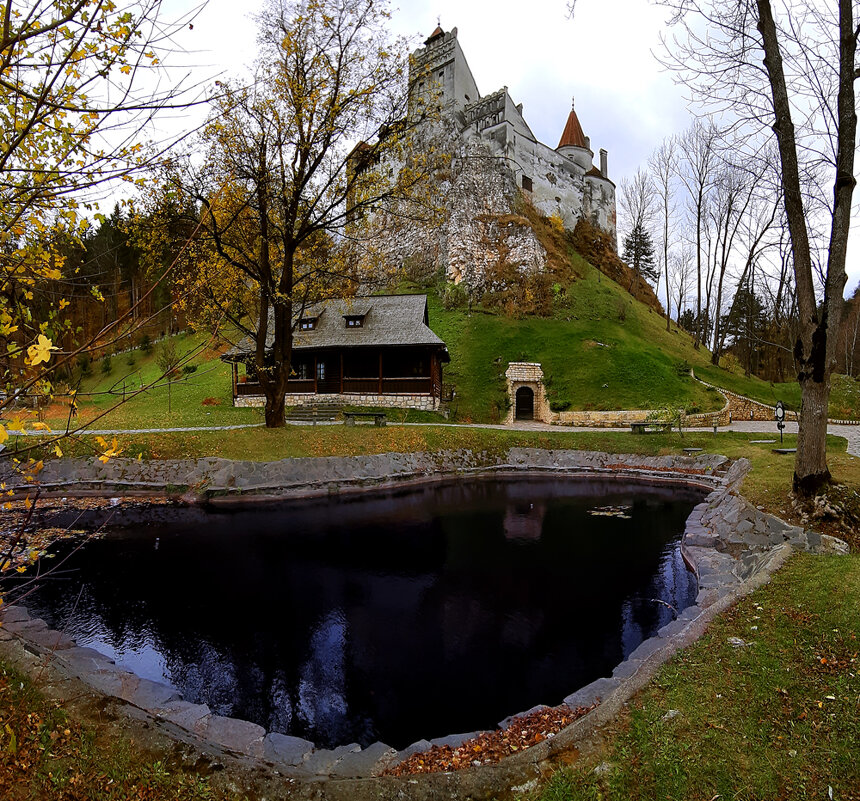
{"x": 387, "y": 616}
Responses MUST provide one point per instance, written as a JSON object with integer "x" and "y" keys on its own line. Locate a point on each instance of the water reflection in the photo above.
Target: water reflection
{"x": 393, "y": 617}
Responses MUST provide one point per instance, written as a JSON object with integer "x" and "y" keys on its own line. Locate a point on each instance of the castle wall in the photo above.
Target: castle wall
{"x": 493, "y": 157}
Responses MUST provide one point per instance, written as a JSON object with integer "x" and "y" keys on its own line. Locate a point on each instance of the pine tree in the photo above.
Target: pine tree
{"x": 639, "y": 253}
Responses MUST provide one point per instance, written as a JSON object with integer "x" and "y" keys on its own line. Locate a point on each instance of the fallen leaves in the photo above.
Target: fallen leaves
{"x": 489, "y": 747}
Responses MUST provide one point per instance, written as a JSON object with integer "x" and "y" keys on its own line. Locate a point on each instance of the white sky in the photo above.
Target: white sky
{"x": 604, "y": 57}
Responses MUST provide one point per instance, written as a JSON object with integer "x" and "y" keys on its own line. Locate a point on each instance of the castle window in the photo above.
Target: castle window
{"x": 527, "y": 184}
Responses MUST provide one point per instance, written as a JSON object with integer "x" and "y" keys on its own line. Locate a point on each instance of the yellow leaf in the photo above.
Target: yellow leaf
{"x": 58, "y": 450}
{"x": 41, "y": 427}
{"x": 40, "y": 351}
{"x": 4, "y": 434}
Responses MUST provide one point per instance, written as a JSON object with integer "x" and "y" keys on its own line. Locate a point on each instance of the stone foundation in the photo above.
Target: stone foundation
{"x": 424, "y": 403}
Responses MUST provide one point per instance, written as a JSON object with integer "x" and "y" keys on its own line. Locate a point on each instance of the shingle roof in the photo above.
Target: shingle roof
{"x": 392, "y": 320}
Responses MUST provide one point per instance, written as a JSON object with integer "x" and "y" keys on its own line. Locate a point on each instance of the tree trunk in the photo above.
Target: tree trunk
{"x": 812, "y": 436}
{"x": 275, "y": 406}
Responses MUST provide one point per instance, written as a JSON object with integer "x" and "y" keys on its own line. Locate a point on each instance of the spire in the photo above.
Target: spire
{"x": 573, "y": 135}
{"x": 437, "y": 33}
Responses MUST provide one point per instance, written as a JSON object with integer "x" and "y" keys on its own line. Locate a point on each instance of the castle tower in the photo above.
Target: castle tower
{"x": 439, "y": 72}
{"x": 574, "y": 144}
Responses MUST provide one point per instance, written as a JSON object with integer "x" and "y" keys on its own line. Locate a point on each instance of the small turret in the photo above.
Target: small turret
{"x": 574, "y": 143}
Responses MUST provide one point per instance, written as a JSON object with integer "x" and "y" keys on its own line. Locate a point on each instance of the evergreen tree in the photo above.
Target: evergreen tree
{"x": 639, "y": 253}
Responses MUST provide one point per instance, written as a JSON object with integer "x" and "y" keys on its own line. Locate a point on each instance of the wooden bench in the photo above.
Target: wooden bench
{"x": 645, "y": 428}
{"x": 349, "y": 418}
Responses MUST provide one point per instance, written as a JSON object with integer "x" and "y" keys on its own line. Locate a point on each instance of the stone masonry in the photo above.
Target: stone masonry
{"x": 424, "y": 403}
{"x": 527, "y": 374}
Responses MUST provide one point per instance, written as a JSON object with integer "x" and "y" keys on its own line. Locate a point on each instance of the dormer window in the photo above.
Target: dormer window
{"x": 354, "y": 320}
{"x": 308, "y": 323}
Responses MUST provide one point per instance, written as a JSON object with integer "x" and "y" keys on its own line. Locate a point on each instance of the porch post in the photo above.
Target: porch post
{"x": 235, "y": 376}
{"x": 380, "y": 372}
{"x": 341, "y": 372}
{"x": 316, "y": 374}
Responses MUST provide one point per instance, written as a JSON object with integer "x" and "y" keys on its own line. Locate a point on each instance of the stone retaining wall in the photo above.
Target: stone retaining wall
{"x": 731, "y": 546}
{"x": 214, "y": 479}
{"x": 622, "y": 419}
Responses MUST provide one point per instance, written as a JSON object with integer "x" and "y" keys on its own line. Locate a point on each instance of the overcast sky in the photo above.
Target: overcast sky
{"x": 604, "y": 58}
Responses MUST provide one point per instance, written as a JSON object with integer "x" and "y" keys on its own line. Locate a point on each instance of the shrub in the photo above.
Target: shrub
{"x": 85, "y": 364}
{"x": 189, "y": 368}
{"x": 146, "y": 344}
{"x": 131, "y": 359}
{"x": 454, "y": 296}
{"x": 683, "y": 368}
{"x": 559, "y": 405}
{"x": 106, "y": 365}
{"x": 166, "y": 358}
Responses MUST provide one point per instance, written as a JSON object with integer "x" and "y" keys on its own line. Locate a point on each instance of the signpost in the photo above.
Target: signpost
{"x": 779, "y": 414}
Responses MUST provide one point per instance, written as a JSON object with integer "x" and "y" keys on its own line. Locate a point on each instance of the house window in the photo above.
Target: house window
{"x": 320, "y": 371}
{"x": 308, "y": 323}
{"x": 354, "y": 320}
{"x": 527, "y": 184}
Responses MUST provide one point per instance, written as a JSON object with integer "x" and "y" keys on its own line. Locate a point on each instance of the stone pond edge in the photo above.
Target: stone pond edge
{"x": 731, "y": 546}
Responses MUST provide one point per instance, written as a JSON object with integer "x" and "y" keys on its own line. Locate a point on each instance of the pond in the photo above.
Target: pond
{"x": 383, "y": 616}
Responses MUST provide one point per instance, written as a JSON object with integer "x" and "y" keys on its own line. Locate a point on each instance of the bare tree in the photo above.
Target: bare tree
{"x": 697, "y": 165}
{"x": 681, "y": 264}
{"x": 664, "y": 167}
{"x": 638, "y": 210}
{"x": 804, "y": 96}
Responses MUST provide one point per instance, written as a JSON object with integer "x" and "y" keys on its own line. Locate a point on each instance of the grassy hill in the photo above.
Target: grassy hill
{"x": 600, "y": 350}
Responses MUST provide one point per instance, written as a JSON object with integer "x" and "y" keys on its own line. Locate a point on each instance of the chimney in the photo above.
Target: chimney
{"x": 604, "y": 169}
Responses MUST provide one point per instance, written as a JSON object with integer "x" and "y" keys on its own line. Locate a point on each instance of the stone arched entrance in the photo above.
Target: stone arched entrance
{"x": 524, "y": 404}
{"x": 526, "y": 393}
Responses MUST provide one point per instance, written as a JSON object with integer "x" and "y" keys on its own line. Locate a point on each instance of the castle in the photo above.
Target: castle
{"x": 493, "y": 163}
{"x": 562, "y": 181}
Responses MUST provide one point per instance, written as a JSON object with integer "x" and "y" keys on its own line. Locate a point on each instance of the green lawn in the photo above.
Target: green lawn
{"x": 198, "y": 398}
{"x": 776, "y": 719}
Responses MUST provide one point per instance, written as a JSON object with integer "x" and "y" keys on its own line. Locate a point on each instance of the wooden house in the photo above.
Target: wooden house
{"x": 366, "y": 351}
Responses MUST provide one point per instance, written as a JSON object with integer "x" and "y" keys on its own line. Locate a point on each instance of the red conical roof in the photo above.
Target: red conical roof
{"x": 573, "y": 135}
{"x": 435, "y": 35}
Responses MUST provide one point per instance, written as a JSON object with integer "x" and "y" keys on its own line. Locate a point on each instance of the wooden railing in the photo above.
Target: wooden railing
{"x": 353, "y": 386}
{"x": 301, "y": 386}
{"x": 407, "y": 386}
{"x": 361, "y": 386}
{"x": 248, "y": 388}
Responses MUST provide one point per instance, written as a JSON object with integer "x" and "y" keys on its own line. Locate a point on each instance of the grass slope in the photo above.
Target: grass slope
{"x": 600, "y": 350}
